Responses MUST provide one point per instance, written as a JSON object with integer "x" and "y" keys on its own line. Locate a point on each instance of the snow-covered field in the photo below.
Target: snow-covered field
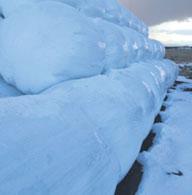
{"x": 168, "y": 164}
{"x": 80, "y": 86}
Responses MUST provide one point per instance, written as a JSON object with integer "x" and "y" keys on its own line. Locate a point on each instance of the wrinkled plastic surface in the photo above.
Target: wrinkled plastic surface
{"x": 73, "y": 138}
{"x": 56, "y": 44}
{"x": 52, "y": 42}
{"x": 109, "y": 10}
{"x": 100, "y": 83}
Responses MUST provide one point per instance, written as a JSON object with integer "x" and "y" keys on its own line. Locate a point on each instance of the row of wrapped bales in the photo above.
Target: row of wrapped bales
{"x": 51, "y": 42}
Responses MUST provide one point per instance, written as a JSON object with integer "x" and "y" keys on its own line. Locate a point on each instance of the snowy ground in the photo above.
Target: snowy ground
{"x": 168, "y": 164}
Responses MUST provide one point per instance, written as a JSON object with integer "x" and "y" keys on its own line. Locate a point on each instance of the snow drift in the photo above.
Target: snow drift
{"x": 97, "y": 82}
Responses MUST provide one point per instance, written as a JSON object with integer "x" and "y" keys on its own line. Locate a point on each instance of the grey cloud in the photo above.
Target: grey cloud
{"x": 157, "y": 11}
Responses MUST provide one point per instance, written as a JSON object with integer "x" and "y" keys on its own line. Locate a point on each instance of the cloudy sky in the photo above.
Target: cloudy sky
{"x": 170, "y": 21}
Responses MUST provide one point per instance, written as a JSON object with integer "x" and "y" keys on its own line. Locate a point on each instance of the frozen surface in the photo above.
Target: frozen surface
{"x": 73, "y": 138}
{"x": 168, "y": 165}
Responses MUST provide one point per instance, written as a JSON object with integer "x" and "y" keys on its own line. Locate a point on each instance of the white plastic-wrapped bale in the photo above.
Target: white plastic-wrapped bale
{"x": 130, "y": 46}
{"x": 45, "y": 53}
{"x": 64, "y": 144}
{"x": 112, "y": 11}
{"x": 109, "y": 10}
{"x": 147, "y": 49}
{"x": 128, "y": 19}
{"x": 50, "y": 42}
{"x": 115, "y": 55}
{"x": 157, "y": 50}
{"x": 7, "y": 90}
{"x": 80, "y": 135}
{"x": 8, "y": 7}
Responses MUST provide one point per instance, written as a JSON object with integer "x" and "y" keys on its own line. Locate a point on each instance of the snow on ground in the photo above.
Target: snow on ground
{"x": 168, "y": 165}
{"x": 184, "y": 79}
